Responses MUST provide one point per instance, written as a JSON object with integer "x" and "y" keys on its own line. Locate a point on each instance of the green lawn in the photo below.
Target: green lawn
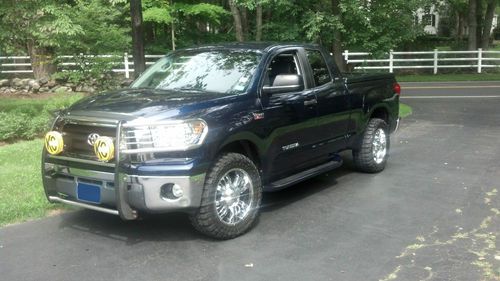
{"x": 448, "y": 77}
{"x": 21, "y": 193}
{"x": 404, "y": 110}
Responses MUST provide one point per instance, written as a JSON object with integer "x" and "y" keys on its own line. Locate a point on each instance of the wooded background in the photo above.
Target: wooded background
{"x": 44, "y": 29}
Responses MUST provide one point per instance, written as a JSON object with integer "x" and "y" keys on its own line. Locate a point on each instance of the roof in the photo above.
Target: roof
{"x": 258, "y": 46}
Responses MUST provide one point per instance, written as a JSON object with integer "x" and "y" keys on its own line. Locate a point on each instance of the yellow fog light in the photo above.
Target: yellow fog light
{"x": 104, "y": 148}
{"x": 54, "y": 142}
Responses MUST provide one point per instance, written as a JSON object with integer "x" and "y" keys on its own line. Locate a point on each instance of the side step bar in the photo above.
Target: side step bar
{"x": 83, "y": 205}
{"x": 304, "y": 175}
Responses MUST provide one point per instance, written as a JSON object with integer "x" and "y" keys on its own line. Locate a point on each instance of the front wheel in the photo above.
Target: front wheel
{"x": 373, "y": 151}
{"x": 231, "y": 198}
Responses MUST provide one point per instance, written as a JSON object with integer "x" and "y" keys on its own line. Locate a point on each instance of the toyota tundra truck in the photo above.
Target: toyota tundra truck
{"x": 208, "y": 130}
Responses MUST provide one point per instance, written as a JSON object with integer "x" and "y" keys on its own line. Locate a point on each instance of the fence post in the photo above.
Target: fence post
{"x": 435, "y": 61}
{"x": 391, "y": 61}
{"x": 346, "y": 56}
{"x": 479, "y": 60}
{"x": 125, "y": 63}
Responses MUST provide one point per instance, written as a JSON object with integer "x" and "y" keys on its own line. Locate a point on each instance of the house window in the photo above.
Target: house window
{"x": 429, "y": 19}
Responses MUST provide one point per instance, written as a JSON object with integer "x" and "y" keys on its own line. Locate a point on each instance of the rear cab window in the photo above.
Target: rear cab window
{"x": 320, "y": 72}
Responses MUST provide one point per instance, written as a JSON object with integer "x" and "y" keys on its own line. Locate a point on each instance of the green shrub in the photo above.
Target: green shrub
{"x": 21, "y": 125}
{"x": 27, "y": 119}
{"x": 90, "y": 70}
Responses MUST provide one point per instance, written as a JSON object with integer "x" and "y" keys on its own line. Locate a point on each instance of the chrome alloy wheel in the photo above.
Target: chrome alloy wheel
{"x": 379, "y": 146}
{"x": 234, "y": 196}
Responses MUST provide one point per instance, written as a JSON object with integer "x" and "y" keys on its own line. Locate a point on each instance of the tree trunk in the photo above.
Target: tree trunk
{"x": 149, "y": 32}
{"x": 460, "y": 28}
{"x": 42, "y": 61}
{"x": 258, "y": 23}
{"x": 237, "y": 21}
{"x": 172, "y": 28}
{"x": 337, "y": 41}
{"x": 472, "y": 43}
{"x": 488, "y": 21}
{"x": 137, "y": 37}
{"x": 172, "y": 34}
{"x": 244, "y": 22}
{"x": 479, "y": 20}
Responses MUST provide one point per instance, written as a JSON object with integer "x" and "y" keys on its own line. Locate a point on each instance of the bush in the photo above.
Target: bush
{"x": 429, "y": 42}
{"x": 90, "y": 71}
{"x": 21, "y": 126}
{"x": 27, "y": 119}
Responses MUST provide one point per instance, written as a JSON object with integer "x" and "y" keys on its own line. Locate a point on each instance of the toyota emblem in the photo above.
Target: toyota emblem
{"x": 91, "y": 139}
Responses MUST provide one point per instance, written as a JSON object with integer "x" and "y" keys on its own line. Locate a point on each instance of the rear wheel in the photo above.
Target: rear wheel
{"x": 231, "y": 198}
{"x": 373, "y": 151}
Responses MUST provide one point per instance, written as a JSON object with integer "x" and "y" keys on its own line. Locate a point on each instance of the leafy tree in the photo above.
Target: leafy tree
{"x": 488, "y": 21}
{"x": 45, "y": 28}
{"x": 187, "y": 20}
{"x": 38, "y": 26}
{"x": 42, "y": 28}
{"x": 109, "y": 32}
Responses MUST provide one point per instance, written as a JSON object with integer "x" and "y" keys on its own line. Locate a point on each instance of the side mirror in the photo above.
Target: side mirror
{"x": 285, "y": 83}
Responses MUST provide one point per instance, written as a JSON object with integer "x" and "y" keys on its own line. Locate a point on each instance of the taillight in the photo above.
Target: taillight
{"x": 396, "y": 88}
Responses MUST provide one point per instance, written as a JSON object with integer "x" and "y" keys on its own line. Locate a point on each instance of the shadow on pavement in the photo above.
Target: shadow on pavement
{"x": 176, "y": 226}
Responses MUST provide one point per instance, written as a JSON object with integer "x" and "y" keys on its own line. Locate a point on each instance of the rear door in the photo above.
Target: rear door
{"x": 333, "y": 104}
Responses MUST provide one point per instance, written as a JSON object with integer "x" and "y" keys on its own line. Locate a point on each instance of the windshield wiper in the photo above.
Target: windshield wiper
{"x": 186, "y": 89}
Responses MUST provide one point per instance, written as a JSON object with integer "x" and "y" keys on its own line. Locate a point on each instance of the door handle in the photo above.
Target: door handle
{"x": 310, "y": 102}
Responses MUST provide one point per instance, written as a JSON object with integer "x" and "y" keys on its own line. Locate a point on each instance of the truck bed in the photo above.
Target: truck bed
{"x": 361, "y": 77}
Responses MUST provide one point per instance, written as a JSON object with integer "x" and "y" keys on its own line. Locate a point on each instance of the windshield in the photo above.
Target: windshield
{"x": 222, "y": 71}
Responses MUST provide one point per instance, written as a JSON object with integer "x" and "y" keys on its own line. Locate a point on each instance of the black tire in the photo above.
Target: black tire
{"x": 206, "y": 219}
{"x": 363, "y": 155}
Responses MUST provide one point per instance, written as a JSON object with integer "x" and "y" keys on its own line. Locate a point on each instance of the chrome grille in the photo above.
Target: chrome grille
{"x": 75, "y": 139}
{"x": 138, "y": 138}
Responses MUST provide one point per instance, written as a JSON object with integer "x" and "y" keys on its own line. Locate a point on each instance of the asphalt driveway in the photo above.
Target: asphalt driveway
{"x": 433, "y": 214}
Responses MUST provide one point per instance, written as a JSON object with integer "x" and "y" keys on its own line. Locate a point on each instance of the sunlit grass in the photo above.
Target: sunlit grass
{"x": 404, "y": 110}
{"x": 21, "y": 193}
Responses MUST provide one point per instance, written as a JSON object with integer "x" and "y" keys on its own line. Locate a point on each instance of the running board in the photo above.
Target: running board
{"x": 304, "y": 175}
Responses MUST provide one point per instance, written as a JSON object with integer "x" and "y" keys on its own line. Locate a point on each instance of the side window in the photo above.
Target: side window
{"x": 320, "y": 69}
{"x": 284, "y": 63}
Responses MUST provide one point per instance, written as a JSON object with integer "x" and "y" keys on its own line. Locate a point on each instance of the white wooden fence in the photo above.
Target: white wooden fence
{"x": 123, "y": 64}
{"x": 435, "y": 60}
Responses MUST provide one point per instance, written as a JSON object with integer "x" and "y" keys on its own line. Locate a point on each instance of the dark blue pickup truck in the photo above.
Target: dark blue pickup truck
{"x": 207, "y": 130}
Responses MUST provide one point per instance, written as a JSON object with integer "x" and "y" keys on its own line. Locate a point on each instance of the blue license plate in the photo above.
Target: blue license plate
{"x": 88, "y": 192}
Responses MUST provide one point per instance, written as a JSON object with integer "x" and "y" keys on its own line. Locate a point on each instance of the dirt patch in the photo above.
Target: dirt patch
{"x": 55, "y": 212}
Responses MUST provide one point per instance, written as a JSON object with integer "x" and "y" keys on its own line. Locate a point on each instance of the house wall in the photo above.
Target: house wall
{"x": 432, "y": 26}
{"x": 431, "y": 20}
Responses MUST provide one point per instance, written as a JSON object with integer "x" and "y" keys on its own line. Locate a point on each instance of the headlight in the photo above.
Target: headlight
{"x": 140, "y": 137}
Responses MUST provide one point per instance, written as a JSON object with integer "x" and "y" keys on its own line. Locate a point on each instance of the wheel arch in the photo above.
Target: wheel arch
{"x": 381, "y": 112}
{"x": 243, "y": 145}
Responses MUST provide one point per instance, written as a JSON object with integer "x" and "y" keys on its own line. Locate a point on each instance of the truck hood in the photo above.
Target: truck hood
{"x": 150, "y": 102}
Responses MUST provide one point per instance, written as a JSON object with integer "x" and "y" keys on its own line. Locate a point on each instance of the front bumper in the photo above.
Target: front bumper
{"x": 121, "y": 194}
{"x": 124, "y": 188}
